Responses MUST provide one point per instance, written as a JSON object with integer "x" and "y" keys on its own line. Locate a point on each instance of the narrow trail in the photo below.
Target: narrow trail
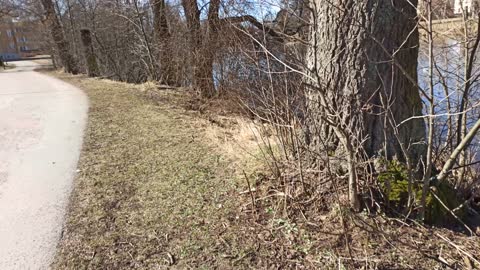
{"x": 41, "y": 125}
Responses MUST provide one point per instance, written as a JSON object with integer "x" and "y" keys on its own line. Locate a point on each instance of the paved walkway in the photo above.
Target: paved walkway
{"x": 41, "y": 125}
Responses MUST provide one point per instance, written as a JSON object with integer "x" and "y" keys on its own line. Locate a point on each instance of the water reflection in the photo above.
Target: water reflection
{"x": 449, "y": 69}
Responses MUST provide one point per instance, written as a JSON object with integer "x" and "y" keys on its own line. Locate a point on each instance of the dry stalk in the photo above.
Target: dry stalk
{"x": 251, "y": 192}
{"x": 458, "y": 248}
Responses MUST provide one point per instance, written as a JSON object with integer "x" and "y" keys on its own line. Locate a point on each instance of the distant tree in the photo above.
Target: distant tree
{"x": 163, "y": 40}
{"x": 202, "y": 75}
{"x": 441, "y": 9}
{"x": 90, "y": 58}
{"x": 63, "y": 47}
{"x": 204, "y": 43}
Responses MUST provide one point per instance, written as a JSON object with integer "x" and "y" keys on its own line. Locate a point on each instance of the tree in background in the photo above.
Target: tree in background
{"x": 202, "y": 45}
{"x": 90, "y": 58}
{"x": 63, "y": 46}
{"x": 163, "y": 39}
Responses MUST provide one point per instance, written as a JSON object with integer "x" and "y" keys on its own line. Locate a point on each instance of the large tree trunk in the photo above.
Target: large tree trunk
{"x": 63, "y": 47}
{"x": 362, "y": 59}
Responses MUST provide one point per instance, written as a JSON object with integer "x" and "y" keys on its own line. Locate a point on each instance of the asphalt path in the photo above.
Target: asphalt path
{"x": 41, "y": 125}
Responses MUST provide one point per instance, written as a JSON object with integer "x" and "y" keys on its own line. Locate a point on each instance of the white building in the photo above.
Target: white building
{"x": 468, "y": 6}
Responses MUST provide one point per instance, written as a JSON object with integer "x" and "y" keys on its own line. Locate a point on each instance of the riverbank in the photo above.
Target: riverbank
{"x": 161, "y": 186}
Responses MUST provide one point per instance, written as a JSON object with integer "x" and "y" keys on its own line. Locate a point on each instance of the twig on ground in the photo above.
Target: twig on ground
{"x": 251, "y": 192}
{"x": 458, "y": 248}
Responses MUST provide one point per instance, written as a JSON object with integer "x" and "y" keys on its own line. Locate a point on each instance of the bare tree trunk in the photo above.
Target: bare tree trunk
{"x": 206, "y": 80}
{"x": 68, "y": 60}
{"x": 361, "y": 51}
{"x": 151, "y": 59}
{"x": 358, "y": 51}
{"x": 192, "y": 14}
{"x": 73, "y": 28}
{"x": 469, "y": 58}
{"x": 90, "y": 59}
{"x": 203, "y": 53}
{"x": 163, "y": 40}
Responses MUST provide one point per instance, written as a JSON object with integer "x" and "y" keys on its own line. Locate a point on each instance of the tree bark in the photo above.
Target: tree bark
{"x": 203, "y": 53}
{"x": 360, "y": 53}
{"x": 362, "y": 75}
{"x": 68, "y": 60}
{"x": 163, "y": 40}
{"x": 90, "y": 59}
{"x": 209, "y": 48}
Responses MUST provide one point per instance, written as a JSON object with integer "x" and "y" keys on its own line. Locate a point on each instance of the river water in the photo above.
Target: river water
{"x": 449, "y": 84}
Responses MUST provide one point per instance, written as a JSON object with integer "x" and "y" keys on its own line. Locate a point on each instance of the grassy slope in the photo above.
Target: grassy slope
{"x": 153, "y": 192}
{"x": 150, "y": 192}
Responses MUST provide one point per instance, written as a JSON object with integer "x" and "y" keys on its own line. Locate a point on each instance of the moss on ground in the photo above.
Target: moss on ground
{"x": 394, "y": 182}
{"x": 150, "y": 191}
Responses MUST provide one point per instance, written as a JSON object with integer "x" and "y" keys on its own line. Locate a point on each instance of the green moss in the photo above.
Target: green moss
{"x": 394, "y": 184}
{"x": 92, "y": 65}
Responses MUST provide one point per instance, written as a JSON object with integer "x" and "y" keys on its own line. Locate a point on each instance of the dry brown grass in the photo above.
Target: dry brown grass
{"x": 151, "y": 192}
{"x": 161, "y": 187}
